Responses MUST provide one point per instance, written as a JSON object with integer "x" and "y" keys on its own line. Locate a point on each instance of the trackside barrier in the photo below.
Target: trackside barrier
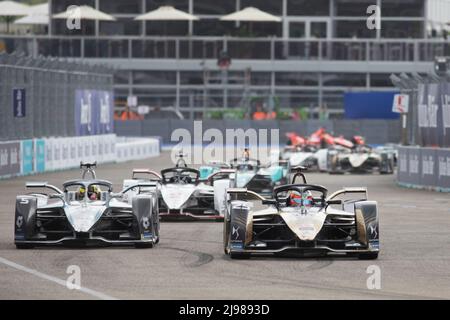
{"x": 136, "y": 148}
{"x": 424, "y": 168}
{"x": 60, "y": 153}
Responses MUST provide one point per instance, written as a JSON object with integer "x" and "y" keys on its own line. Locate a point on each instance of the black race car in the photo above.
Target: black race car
{"x": 301, "y": 218}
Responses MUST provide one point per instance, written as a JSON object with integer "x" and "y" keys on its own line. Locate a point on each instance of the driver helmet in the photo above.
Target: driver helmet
{"x": 304, "y": 200}
{"x": 81, "y": 193}
{"x": 93, "y": 192}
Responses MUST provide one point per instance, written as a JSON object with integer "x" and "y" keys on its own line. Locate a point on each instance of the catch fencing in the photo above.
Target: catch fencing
{"x": 45, "y": 97}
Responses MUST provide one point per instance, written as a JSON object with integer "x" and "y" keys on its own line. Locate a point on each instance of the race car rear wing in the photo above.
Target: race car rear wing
{"x": 347, "y": 191}
{"x": 43, "y": 185}
{"x": 146, "y": 171}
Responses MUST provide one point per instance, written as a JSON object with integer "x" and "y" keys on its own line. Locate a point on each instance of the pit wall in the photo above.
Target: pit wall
{"x": 25, "y": 157}
{"x": 424, "y": 168}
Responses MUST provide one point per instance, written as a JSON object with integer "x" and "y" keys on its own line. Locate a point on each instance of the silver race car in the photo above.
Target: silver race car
{"x": 301, "y": 218}
{"x": 181, "y": 192}
{"x": 85, "y": 211}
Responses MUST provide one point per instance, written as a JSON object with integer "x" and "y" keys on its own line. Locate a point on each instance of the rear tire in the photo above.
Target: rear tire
{"x": 226, "y": 236}
{"x": 143, "y": 245}
{"x": 24, "y": 246}
{"x": 368, "y": 256}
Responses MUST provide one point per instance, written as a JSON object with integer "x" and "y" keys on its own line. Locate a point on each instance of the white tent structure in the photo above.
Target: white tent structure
{"x": 251, "y": 14}
{"x": 38, "y": 15}
{"x": 84, "y": 13}
{"x": 167, "y": 13}
{"x": 10, "y": 9}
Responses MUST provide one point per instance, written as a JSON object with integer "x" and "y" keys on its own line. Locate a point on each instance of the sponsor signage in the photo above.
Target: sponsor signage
{"x": 9, "y": 158}
{"x": 424, "y": 167}
{"x": 93, "y": 112}
{"x": 19, "y": 103}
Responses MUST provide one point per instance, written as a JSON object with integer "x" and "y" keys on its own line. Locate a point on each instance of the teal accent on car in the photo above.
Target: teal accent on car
{"x": 242, "y": 178}
{"x": 275, "y": 172}
{"x": 205, "y": 172}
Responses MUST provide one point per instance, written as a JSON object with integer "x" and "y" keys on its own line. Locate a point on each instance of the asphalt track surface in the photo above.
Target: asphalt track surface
{"x": 189, "y": 262}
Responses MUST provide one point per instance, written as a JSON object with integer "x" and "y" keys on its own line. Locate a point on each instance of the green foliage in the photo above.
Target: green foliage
{"x": 225, "y": 114}
{"x": 33, "y": 2}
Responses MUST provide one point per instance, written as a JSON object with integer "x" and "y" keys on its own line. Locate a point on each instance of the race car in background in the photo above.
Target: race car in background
{"x": 360, "y": 158}
{"x": 324, "y": 152}
{"x": 181, "y": 193}
{"x": 250, "y": 173}
{"x": 301, "y": 218}
{"x": 310, "y": 152}
{"x": 84, "y": 212}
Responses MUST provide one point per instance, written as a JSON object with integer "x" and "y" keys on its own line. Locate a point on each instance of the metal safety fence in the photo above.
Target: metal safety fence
{"x": 44, "y": 97}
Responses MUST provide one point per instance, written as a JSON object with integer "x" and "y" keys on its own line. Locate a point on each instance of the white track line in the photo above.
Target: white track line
{"x": 41, "y": 275}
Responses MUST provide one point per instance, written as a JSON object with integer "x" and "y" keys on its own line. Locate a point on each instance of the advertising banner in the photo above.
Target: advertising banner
{"x": 434, "y": 114}
{"x": 9, "y": 158}
{"x": 83, "y": 112}
{"x": 57, "y": 154}
{"x": 445, "y": 105}
{"x": 48, "y": 154}
{"x": 429, "y": 167}
{"x": 39, "y": 155}
{"x": 27, "y": 156}
{"x": 93, "y": 112}
{"x": 105, "y": 112}
{"x": 443, "y": 163}
{"x": 424, "y": 167}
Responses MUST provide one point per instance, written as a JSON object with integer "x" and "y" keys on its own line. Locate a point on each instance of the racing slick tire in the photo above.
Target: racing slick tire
{"x": 368, "y": 256}
{"x": 24, "y": 246}
{"x": 239, "y": 255}
{"x": 226, "y": 236}
{"x": 144, "y": 245}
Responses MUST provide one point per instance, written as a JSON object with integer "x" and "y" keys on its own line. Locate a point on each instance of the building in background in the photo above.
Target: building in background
{"x": 320, "y": 50}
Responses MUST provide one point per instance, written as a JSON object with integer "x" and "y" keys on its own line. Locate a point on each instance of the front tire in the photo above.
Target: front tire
{"x": 145, "y": 245}
{"x": 239, "y": 255}
{"x": 368, "y": 256}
